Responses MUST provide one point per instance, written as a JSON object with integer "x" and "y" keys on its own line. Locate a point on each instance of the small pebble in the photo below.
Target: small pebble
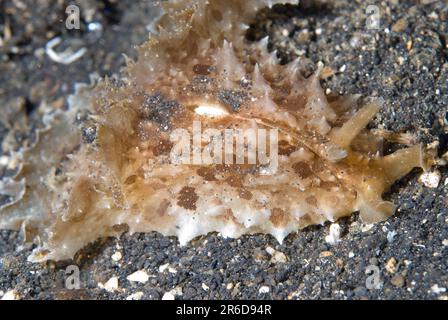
{"x": 397, "y": 281}
{"x": 264, "y": 289}
{"x": 111, "y": 285}
{"x": 334, "y": 235}
{"x": 390, "y": 236}
{"x": 400, "y": 60}
{"x": 135, "y": 296}
{"x": 276, "y": 256}
{"x": 4, "y": 160}
{"x": 431, "y": 179}
{"x": 366, "y": 227}
{"x": 139, "y": 276}
{"x": 117, "y": 256}
{"x": 163, "y": 267}
{"x": 391, "y": 265}
{"x": 325, "y": 254}
{"x": 10, "y": 295}
{"x": 168, "y": 296}
{"x": 400, "y": 25}
{"x": 433, "y": 15}
{"x": 437, "y": 290}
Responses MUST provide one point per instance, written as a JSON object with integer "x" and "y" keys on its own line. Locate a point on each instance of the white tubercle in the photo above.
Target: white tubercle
{"x": 260, "y": 85}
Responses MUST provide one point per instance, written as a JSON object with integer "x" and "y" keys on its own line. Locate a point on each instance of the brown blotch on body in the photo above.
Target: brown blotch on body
{"x": 162, "y": 148}
{"x": 207, "y": 173}
{"x": 311, "y": 200}
{"x": 310, "y": 218}
{"x": 234, "y": 181}
{"x": 120, "y": 228}
{"x": 305, "y": 220}
{"x": 302, "y": 169}
{"x": 187, "y": 198}
{"x": 328, "y": 185}
{"x": 131, "y": 179}
{"x": 245, "y": 194}
{"x": 202, "y": 69}
{"x": 285, "y": 149}
{"x": 279, "y": 218}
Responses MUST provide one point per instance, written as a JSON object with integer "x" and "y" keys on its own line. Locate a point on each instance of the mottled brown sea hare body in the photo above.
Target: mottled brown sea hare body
{"x": 73, "y": 189}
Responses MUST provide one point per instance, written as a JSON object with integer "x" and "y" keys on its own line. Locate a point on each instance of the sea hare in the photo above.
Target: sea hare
{"x": 125, "y": 156}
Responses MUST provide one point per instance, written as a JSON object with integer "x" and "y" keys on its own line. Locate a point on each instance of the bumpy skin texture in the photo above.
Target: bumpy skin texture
{"x": 116, "y": 173}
